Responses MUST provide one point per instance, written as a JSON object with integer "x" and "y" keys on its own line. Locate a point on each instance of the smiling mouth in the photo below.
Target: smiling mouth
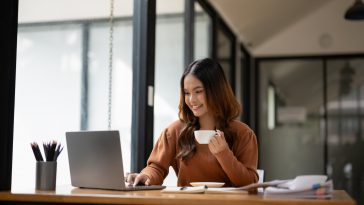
{"x": 196, "y": 107}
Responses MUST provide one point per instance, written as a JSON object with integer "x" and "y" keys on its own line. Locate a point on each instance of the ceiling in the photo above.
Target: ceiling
{"x": 262, "y": 25}
{"x": 256, "y": 20}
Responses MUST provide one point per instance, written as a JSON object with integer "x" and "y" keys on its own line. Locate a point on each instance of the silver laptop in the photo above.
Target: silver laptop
{"x": 95, "y": 161}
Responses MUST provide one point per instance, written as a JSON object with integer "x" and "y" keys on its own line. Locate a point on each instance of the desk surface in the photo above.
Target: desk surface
{"x": 68, "y": 194}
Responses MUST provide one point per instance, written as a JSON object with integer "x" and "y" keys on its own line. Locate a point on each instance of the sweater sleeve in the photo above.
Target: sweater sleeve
{"x": 240, "y": 165}
{"x": 161, "y": 157}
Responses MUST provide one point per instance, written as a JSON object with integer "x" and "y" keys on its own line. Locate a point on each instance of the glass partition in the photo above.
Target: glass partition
{"x": 291, "y": 140}
{"x": 302, "y": 112}
{"x": 345, "y": 111}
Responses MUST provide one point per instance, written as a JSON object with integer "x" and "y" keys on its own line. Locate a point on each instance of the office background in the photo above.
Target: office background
{"x": 298, "y": 80}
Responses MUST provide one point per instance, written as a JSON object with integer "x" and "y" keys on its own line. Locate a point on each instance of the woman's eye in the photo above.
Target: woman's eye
{"x": 199, "y": 91}
{"x": 187, "y": 94}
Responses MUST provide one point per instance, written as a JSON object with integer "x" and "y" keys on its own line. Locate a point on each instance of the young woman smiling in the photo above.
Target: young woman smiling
{"x": 206, "y": 103}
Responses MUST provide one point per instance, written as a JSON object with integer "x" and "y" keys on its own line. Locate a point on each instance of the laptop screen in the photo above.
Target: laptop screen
{"x": 95, "y": 159}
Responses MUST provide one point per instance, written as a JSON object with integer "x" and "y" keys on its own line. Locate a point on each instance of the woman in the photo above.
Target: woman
{"x": 206, "y": 103}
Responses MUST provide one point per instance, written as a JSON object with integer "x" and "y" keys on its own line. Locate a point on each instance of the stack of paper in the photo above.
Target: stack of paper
{"x": 204, "y": 189}
{"x": 254, "y": 186}
{"x": 307, "y": 186}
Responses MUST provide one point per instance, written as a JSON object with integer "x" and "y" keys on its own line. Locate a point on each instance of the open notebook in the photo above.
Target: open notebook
{"x": 95, "y": 161}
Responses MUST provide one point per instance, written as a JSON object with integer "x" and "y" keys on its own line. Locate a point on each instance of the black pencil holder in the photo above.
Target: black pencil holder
{"x": 46, "y": 175}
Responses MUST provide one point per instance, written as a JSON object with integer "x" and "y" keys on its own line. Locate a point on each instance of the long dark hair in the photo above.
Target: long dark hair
{"x": 221, "y": 102}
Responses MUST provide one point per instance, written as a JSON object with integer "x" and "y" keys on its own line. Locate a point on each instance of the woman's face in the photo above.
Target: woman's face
{"x": 195, "y": 95}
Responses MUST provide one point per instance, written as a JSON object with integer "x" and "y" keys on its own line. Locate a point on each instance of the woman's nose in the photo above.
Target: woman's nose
{"x": 192, "y": 98}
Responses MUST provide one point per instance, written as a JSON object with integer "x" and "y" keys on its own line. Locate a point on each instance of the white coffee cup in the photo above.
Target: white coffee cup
{"x": 204, "y": 136}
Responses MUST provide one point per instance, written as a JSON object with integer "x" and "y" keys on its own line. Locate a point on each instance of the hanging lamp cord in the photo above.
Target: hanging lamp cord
{"x": 111, "y": 39}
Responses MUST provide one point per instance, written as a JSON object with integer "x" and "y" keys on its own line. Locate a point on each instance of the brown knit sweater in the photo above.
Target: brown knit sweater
{"x": 235, "y": 167}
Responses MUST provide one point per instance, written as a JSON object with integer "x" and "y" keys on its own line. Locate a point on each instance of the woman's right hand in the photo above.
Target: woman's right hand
{"x": 137, "y": 178}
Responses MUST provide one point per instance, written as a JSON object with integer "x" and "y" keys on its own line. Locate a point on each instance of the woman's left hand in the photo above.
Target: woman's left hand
{"x": 218, "y": 142}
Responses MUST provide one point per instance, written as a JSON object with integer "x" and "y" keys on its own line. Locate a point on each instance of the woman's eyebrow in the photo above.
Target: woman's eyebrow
{"x": 195, "y": 88}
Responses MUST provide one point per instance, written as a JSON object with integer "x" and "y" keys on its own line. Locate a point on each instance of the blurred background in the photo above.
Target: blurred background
{"x": 296, "y": 67}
